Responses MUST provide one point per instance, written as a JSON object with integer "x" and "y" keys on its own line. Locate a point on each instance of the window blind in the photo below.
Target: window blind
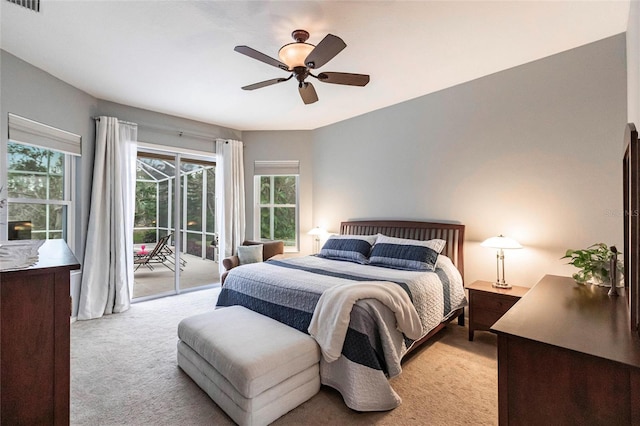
{"x": 31, "y": 132}
{"x": 283, "y": 167}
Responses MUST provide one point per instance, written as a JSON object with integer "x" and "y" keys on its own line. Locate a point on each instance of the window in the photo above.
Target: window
{"x": 277, "y": 209}
{"x": 39, "y": 176}
{"x": 38, "y": 192}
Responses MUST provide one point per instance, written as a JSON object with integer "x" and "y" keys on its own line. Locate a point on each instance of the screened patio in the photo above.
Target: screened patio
{"x": 191, "y": 219}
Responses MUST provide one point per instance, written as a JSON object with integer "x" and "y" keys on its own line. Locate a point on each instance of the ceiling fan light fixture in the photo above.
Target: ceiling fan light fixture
{"x": 299, "y": 58}
{"x": 294, "y": 54}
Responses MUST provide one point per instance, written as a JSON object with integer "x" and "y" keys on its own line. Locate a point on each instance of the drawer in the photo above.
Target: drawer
{"x": 500, "y": 304}
{"x": 485, "y": 318}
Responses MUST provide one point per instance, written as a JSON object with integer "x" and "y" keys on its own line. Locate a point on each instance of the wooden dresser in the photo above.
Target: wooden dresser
{"x": 566, "y": 355}
{"x": 34, "y": 339}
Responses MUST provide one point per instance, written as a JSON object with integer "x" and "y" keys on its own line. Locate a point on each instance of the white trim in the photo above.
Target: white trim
{"x": 276, "y": 168}
{"x": 70, "y": 196}
{"x": 42, "y": 201}
{"x": 29, "y": 132}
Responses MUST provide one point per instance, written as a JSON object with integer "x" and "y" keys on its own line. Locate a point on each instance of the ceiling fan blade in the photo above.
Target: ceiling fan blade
{"x": 266, "y": 83}
{"x": 252, "y": 53}
{"x": 344, "y": 78}
{"x": 329, "y": 47}
{"x": 307, "y": 93}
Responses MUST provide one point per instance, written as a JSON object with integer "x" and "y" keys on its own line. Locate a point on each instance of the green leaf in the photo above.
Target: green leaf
{"x": 592, "y": 262}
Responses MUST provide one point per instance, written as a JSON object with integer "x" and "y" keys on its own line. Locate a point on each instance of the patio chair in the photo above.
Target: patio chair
{"x": 157, "y": 255}
{"x": 168, "y": 252}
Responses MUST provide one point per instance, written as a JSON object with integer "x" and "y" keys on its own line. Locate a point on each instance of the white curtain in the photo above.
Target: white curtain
{"x": 230, "y": 213}
{"x": 107, "y": 275}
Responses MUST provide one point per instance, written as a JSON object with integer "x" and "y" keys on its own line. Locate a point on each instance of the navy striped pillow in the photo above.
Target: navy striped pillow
{"x": 412, "y": 255}
{"x": 352, "y": 248}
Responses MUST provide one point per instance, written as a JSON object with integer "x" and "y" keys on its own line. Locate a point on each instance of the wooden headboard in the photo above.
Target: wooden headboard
{"x": 453, "y": 234}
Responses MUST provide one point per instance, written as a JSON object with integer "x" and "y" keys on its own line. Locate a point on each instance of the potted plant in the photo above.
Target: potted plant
{"x": 594, "y": 263}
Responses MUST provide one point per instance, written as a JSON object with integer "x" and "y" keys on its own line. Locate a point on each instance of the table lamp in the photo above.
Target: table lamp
{"x": 316, "y": 232}
{"x": 501, "y": 243}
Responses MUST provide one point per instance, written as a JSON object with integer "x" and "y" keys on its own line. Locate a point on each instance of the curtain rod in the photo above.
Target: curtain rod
{"x": 121, "y": 121}
{"x": 171, "y": 131}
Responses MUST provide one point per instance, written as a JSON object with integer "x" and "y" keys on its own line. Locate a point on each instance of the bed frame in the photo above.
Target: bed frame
{"x": 452, "y": 233}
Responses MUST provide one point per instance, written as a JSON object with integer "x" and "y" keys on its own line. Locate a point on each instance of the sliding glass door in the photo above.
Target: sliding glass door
{"x": 174, "y": 230}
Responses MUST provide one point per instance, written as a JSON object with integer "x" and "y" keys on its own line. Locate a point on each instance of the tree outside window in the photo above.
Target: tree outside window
{"x": 278, "y": 209}
{"x": 36, "y": 191}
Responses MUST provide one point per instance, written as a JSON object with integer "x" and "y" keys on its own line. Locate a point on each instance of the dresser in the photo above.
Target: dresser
{"x": 566, "y": 355}
{"x": 35, "y": 310}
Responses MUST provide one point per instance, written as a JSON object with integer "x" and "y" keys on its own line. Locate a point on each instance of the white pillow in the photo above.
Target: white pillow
{"x": 250, "y": 254}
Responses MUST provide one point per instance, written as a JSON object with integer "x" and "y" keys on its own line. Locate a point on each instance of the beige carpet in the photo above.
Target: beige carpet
{"x": 124, "y": 372}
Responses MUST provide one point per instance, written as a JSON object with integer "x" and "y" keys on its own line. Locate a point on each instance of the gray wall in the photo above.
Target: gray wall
{"x": 32, "y": 93}
{"x": 37, "y": 95}
{"x": 533, "y": 152}
{"x": 285, "y": 145}
{"x": 162, "y": 129}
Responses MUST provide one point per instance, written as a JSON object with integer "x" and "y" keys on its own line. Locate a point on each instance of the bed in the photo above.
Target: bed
{"x": 377, "y": 330}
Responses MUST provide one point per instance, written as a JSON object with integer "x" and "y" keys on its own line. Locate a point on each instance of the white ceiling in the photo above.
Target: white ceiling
{"x": 177, "y": 57}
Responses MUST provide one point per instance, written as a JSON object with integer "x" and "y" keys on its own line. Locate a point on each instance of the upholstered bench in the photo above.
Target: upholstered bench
{"x": 255, "y": 368}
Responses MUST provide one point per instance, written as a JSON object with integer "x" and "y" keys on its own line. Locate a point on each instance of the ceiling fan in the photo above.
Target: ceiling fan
{"x": 299, "y": 58}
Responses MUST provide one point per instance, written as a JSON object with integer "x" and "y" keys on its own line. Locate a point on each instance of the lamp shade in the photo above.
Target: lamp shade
{"x": 316, "y": 231}
{"x": 294, "y": 54}
{"x": 501, "y": 242}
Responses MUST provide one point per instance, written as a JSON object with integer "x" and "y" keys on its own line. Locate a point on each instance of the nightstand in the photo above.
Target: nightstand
{"x": 487, "y": 304}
